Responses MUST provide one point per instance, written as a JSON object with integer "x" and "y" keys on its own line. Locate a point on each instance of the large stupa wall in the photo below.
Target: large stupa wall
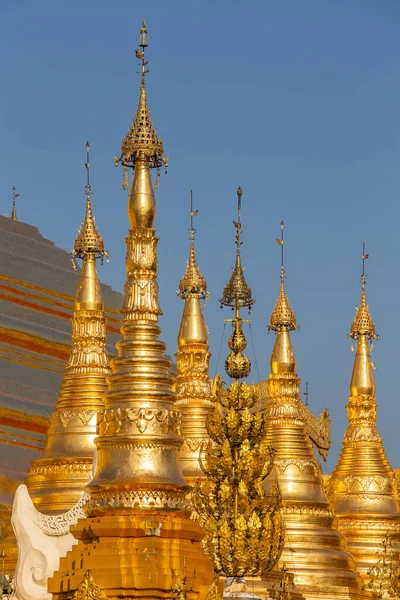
{"x": 37, "y": 289}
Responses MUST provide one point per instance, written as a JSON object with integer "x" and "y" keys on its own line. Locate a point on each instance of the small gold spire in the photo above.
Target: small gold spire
{"x": 14, "y": 208}
{"x": 282, "y": 317}
{"x": 363, "y": 324}
{"x": 237, "y": 294}
{"x": 142, "y": 139}
{"x": 192, "y": 282}
{"x": 236, "y": 291}
{"x": 88, "y": 239}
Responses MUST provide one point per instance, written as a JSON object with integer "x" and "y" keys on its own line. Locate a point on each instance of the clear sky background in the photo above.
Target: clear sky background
{"x": 297, "y": 101}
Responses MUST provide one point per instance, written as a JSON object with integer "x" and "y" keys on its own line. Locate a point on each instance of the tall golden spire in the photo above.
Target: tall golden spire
{"x": 14, "y": 207}
{"x": 362, "y": 487}
{"x": 192, "y": 383}
{"x": 57, "y": 479}
{"x": 320, "y": 570}
{"x": 244, "y": 531}
{"x": 137, "y": 509}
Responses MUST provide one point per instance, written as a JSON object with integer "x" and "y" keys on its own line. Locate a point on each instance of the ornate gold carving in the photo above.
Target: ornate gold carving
{"x": 135, "y": 499}
{"x": 65, "y": 416}
{"x": 88, "y": 590}
{"x": 63, "y": 468}
{"x": 120, "y": 420}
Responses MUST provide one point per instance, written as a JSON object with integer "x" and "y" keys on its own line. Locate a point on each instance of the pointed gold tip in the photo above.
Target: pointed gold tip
{"x": 363, "y": 324}
{"x": 142, "y": 141}
{"x": 193, "y": 282}
{"x": 283, "y": 316}
{"x": 88, "y": 239}
{"x": 237, "y": 292}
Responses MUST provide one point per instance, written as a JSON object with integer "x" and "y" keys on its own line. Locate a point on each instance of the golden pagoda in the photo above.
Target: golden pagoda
{"x": 137, "y": 536}
{"x": 315, "y": 552}
{"x": 57, "y": 479}
{"x": 192, "y": 384}
{"x": 362, "y": 487}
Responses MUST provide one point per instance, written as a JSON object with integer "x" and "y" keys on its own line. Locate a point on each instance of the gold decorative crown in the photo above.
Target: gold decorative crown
{"x": 193, "y": 281}
{"x": 88, "y": 239}
{"x": 283, "y": 316}
{"x": 363, "y": 324}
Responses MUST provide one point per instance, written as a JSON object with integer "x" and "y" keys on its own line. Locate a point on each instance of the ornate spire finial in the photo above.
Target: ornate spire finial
{"x": 88, "y": 239}
{"x": 14, "y": 208}
{"x": 192, "y": 283}
{"x": 236, "y": 291}
{"x": 282, "y": 317}
{"x": 142, "y": 142}
{"x": 363, "y": 324}
{"x": 237, "y": 294}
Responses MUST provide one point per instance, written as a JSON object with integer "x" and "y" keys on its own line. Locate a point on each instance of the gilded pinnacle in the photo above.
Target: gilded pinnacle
{"x": 237, "y": 292}
{"x": 363, "y": 324}
{"x": 283, "y": 317}
{"x": 88, "y": 239}
{"x": 193, "y": 282}
{"x": 142, "y": 141}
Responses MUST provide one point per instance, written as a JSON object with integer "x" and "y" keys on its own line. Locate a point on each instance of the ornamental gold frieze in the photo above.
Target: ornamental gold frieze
{"x": 384, "y": 526}
{"x": 194, "y": 392}
{"x": 283, "y": 385}
{"x": 64, "y": 417}
{"x": 89, "y": 324}
{"x": 128, "y": 421}
{"x": 284, "y": 410}
{"x": 303, "y": 509}
{"x": 141, "y": 300}
{"x": 362, "y": 431}
{"x": 62, "y": 468}
{"x": 194, "y": 444}
{"x": 133, "y": 499}
{"x": 283, "y": 464}
{"x": 193, "y": 359}
{"x": 362, "y": 407}
{"x": 141, "y": 257}
{"x": 359, "y": 485}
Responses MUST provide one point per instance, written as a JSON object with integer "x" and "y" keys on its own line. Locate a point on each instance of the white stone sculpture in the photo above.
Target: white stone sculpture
{"x": 42, "y": 541}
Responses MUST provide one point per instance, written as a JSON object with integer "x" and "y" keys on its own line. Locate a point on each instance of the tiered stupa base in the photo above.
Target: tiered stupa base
{"x": 365, "y": 534}
{"x": 135, "y": 556}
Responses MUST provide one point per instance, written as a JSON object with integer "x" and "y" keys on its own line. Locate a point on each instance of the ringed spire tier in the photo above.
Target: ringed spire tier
{"x": 57, "y": 479}
{"x": 320, "y": 570}
{"x": 137, "y": 510}
{"x": 363, "y": 487}
{"x": 192, "y": 383}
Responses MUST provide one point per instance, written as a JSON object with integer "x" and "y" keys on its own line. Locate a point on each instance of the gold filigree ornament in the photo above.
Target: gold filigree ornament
{"x": 384, "y": 576}
{"x": 244, "y": 529}
{"x": 88, "y": 590}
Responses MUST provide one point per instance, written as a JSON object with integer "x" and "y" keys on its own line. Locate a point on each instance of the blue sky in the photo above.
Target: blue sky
{"x": 297, "y": 101}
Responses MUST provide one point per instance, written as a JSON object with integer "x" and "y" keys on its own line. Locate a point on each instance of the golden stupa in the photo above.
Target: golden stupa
{"x": 315, "y": 551}
{"x": 363, "y": 488}
{"x": 137, "y": 532}
{"x": 57, "y": 479}
{"x": 192, "y": 384}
